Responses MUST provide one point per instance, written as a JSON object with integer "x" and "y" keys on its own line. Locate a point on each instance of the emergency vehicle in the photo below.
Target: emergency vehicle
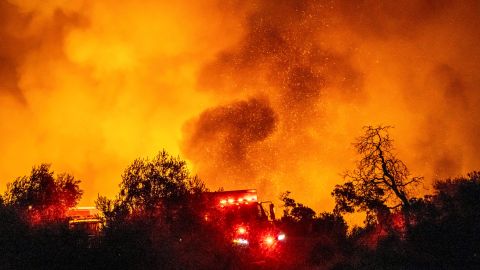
{"x": 244, "y": 219}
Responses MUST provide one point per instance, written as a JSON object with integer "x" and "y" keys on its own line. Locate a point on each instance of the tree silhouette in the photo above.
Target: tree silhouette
{"x": 444, "y": 233}
{"x": 43, "y": 196}
{"x": 33, "y": 228}
{"x": 150, "y": 187}
{"x": 156, "y": 221}
{"x": 379, "y": 182}
{"x": 447, "y": 224}
{"x": 295, "y": 211}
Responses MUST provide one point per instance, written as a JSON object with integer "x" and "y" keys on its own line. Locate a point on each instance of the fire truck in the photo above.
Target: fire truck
{"x": 85, "y": 219}
{"x": 245, "y": 219}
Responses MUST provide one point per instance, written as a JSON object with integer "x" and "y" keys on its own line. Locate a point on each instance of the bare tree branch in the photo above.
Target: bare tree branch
{"x": 379, "y": 180}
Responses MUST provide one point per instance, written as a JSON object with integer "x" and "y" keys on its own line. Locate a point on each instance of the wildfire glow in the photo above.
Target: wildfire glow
{"x": 254, "y": 94}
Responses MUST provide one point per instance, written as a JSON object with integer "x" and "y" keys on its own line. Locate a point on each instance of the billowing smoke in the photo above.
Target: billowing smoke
{"x": 224, "y": 139}
{"x": 91, "y": 85}
{"x": 255, "y": 94}
{"x": 330, "y": 67}
{"x": 281, "y": 58}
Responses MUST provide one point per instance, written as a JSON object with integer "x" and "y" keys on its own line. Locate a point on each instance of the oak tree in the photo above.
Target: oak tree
{"x": 379, "y": 182}
{"x": 42, "y": 194}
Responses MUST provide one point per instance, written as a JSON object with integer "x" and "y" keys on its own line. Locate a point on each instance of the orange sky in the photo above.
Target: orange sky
{"x": 254, "y": 94}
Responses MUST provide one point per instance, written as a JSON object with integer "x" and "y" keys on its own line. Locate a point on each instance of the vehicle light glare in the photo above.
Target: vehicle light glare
{"x": 240, "y": 241}
{"x": 242, "y": 230}
{"x": 281, "y": 237}
{"x": 269, "y": 240}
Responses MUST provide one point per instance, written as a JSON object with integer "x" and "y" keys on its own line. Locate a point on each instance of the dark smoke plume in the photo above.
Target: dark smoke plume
{"x": 91, "y": 85}
{"x": 222, "y": 139}
{"x": 330, "y": 67}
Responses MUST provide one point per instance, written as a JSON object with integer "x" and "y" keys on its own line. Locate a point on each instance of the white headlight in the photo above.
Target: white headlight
{"x": 281, "y": 237}
{"x": 240, "y": 241}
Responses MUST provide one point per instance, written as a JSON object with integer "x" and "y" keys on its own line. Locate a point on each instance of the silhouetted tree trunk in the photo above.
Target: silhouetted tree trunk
{"x": 380, "y": 182}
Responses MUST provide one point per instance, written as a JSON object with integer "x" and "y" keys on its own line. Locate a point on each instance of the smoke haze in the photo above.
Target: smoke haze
{"x": 255, "y": 94}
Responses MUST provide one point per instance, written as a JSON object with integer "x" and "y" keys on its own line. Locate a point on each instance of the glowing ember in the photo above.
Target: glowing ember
{"x": 252, "y": 94}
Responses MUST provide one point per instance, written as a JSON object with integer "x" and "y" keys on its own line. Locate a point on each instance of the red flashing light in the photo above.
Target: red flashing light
{"x": 241, "y": 230}
{"x": 269, "y": 240}
{"x": 239, "y": 201}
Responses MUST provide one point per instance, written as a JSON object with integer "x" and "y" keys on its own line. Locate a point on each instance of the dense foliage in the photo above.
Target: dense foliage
{"x": 42, "y": 195}
{"x": 156, "y": 221}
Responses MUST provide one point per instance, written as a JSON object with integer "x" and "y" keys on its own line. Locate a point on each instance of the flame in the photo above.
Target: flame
{"x": 255, "y": 94}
